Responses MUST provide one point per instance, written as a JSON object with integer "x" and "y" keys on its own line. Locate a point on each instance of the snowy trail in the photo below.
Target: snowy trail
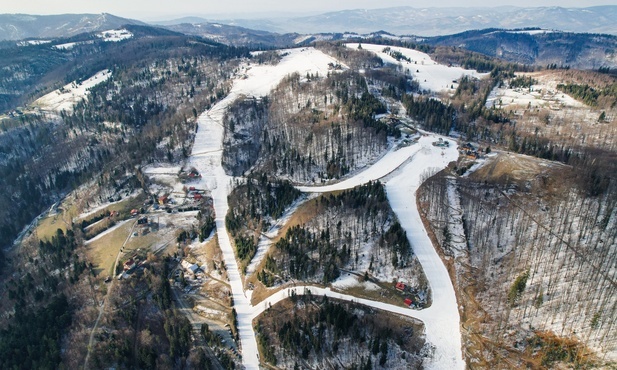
{"x": 206, "y": 157}
{"x": 265, "y": 241}
{"x": 402, "y": 170}
{"x": 441, "y": 319}
{"x": 384, "y": 166}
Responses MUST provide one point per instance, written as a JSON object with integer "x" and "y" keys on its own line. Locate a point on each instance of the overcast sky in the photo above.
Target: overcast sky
{"x": 159, "y": 9}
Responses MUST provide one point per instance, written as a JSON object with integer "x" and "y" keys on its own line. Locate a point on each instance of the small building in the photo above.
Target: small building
{"x": 408, "y": 302}
{"x": 193, "y": 174}
{"x": 142, "y": 221}
{"x": 129, "y": 265}
{"x": 192, "y": 188}
{"x": 468, "y": 146}
{"x": 441, "y": 143}
{"x": 163, "y": 199}
{"x": 197, "y": 196}
{"x": 400, "y": 286}
{"x": 472, "y": 154}
{"x": 194, "y": 268}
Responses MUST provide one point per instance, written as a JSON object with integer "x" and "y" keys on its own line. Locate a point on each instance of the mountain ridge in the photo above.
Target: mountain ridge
{"x": 23, "y": 26}
{"x": 438, "y": 21}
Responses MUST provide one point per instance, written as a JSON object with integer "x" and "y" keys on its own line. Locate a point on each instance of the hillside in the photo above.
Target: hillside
{"x": 539, "y": 47}
{"x": 23, "y": 26}
{"x": 170, "y": 201}
{"x": 534, "y": 260}
{"x": 234, "y": 35}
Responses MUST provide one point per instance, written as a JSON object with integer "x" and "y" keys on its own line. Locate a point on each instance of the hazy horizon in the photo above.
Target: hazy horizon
{"x": 156, "y": 10}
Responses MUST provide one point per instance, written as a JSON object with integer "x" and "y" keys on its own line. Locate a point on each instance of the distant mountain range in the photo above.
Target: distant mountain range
{"x": 234, "y": 35}
{"x": 22, "y": 26}
{"x": 534, "y": 46}
{"x": 434, "y": 21}
{"x": 537, "y": 46}
{"x": 398, "y": 21}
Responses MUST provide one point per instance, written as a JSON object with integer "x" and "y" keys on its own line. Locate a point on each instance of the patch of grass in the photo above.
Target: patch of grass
{"x": 303, "y": 214}
{"x": 47, "y": 227}
{"x": 103, "y": 251}
{"x": 142, "y": 241}
{"x": 509, "y": 168}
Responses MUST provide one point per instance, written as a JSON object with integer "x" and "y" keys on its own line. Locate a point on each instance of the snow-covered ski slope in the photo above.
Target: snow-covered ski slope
{"x": 206, "y": 157}
{"x": 401, "y": 169}
{"x": 430, "y": 74}
{"x": 71, "y": 94}
{"x": 442, "y": 318}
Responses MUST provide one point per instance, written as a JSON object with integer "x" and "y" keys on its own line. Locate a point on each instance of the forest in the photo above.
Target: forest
{"x": 313, "y": 331}
{"x": 146, "y": 111}
{"x": 310, "y": 129}
{"x": 366, "y": 238}
{"x": 253, "y": 206}
{"x": 151, "y": 102}
{"x": 538, "y": 257}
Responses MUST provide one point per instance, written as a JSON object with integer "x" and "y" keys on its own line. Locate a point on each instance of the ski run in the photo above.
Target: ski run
{"x": 401, "y": 169}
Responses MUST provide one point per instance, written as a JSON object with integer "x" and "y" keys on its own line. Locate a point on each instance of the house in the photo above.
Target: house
{"x": 190, "y": 267}
{"x": 194, "y": 268}
{"x": 408, "y": 302}
{"x": 194, "y": 174}
{"x": 129, "y": 265}
{"x": 468, "y": 146}
{"x": 472, "y": 154}
{"x": 400, "y": 286}
{"x": 163, "y": 199}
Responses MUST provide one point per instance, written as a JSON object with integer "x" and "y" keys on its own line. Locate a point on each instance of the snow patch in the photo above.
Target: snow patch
{"x": 347, "y": 281}
{"x": 33, "y": 42}
{"x": 540, "y": 95}
{"x": 115, "y": 35}
{"x": 71, "y": 94}
{"x": 430, "y": 75}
